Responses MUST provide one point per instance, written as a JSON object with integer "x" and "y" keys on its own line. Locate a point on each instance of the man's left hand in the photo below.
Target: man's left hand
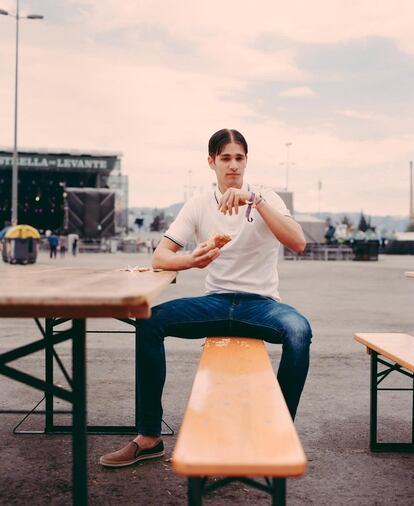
{"x": 231, "y": 199}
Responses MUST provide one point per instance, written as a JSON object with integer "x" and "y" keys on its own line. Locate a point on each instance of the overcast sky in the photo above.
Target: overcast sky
{"x": 154, "y": 79}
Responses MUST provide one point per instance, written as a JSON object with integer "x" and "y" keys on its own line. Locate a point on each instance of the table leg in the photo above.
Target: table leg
{"x": 79, "y": 436}
{"x": 49, "y": 400}
{"x": 373, "y": 401}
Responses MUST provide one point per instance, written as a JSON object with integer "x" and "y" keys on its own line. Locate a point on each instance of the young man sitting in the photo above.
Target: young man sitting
{"x": 242, "y": 297}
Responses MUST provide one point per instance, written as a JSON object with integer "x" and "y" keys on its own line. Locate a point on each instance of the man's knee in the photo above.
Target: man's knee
{"x": 161, "y": 316}
{"x": 163, "y": 311}
{"x": 297, "y": 331}
{"x": 153, "y": 328}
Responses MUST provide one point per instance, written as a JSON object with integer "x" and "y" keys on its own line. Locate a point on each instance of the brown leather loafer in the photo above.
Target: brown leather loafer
{"x": 131, "y": 454}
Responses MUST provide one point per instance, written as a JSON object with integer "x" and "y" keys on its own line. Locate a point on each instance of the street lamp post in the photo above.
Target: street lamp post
{"x": 188, "y": 188}
{"x": 288, "y": 144}
{"x": 15, "y": 170}
{"x": 288, "y": 163}
{"x": 411, "y": 191}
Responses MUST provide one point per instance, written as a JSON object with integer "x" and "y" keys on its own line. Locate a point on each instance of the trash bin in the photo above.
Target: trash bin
{"x": 20, "y": 244}
{"x": 373, "y": 249}
{"x": 366, "y": 250}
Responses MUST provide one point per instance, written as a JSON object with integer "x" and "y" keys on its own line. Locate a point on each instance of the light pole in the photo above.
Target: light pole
{"x": 188, "y": 188}
{"x": 287, "y": 163}
{"x": 319, "y": 197}
{"x": 411, "y": 222}
{"x": 15, "y": 170}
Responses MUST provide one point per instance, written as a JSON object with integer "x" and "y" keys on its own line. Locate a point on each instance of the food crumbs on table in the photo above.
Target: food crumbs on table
{"x": 140, "y": 269}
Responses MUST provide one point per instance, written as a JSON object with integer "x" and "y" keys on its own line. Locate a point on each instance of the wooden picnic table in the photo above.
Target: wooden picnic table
{"x": 79, "y": 292}
{"x": 73, "y": 294}
{"x": 395, "y": 351}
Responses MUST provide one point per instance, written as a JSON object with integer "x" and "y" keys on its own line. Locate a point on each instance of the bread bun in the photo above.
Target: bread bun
{"x": 218, "y": 240}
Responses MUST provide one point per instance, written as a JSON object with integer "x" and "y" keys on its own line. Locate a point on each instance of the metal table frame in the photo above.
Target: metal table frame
{"x": 76, "y": 394}
{"x": 51, "y": 354}
{"x": 376, "y": 378}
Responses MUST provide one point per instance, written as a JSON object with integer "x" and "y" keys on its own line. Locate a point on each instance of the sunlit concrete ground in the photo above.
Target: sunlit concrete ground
{"x": 339, "y": 298}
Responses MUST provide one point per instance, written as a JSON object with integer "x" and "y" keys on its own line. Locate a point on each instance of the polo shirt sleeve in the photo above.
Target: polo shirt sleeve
{"x": 182, "y": 229}
{"x": 276, "y": 202}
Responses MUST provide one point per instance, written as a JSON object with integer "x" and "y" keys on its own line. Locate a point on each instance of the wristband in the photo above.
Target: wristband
{"x": 259, "y": 202}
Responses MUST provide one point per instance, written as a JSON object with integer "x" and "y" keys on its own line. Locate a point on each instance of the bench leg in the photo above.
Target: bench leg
{"x": 412, "y": 417}
{"x": 195, "y": 491}
{"x": 279, "y": 492}
{"x": 276, "y": 487}
{"x": 374, "y": 444}
{"x": 373, "y": 402}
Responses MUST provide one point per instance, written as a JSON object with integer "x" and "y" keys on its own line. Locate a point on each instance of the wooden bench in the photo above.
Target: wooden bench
{"x": 396, "y": 353}
{"x": 237, "y": 424}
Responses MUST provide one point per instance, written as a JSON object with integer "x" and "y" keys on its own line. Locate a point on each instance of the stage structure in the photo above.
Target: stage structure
{"x": 47, "y": 178}
{"x": 89, "y": 212}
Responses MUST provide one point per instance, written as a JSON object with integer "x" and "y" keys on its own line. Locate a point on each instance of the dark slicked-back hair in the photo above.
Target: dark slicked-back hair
{"x": 221, "y": 138}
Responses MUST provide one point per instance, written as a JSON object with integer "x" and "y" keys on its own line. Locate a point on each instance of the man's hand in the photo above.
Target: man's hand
{"x": 233, "y": 198}
{"x": 203, "y": 255}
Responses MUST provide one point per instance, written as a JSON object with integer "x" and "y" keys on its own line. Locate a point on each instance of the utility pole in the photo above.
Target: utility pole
{"x": 15, "y": 162}
{"x": 411, "y": 217}
{"x": 287, "y": 164}
{"x": 15, "y": 169}
{"x": 319, "y": 197}
{"x": 189, "y": 188}
{"x": 288, "y": 144}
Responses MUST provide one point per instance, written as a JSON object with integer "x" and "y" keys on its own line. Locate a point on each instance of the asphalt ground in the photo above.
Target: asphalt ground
{"x": 339, "y": 298}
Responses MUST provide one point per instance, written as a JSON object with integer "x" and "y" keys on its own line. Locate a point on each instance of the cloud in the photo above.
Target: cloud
{"x": 364, "y": 116}
{"x": 298, "y": 91}
{"x": 319, "y": 21}
{"x": 368, "y": 75}
{"x": 9, "y": 6}
{"x": 155, "y": 79}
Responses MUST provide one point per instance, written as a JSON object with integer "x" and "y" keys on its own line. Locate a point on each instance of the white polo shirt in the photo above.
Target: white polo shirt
{"x": 248, "y": 263}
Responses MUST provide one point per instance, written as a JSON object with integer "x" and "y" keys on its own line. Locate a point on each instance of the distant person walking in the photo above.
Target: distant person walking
{"x": 53, "y": 244}
{"x": 74, "y": 247}
{"x": 63, "y": 242}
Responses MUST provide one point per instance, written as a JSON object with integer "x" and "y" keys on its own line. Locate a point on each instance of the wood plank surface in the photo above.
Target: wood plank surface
{"x": 397, "y": 347}
{"x": 237, "y": 422}
{"x": 79, "y": 292}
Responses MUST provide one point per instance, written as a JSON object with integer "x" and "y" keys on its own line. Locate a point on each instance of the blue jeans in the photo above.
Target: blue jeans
{"x": 229, "y": 314}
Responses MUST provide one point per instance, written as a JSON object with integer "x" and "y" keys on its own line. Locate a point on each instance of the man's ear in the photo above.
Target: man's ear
{"x": 210, "y": 160}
